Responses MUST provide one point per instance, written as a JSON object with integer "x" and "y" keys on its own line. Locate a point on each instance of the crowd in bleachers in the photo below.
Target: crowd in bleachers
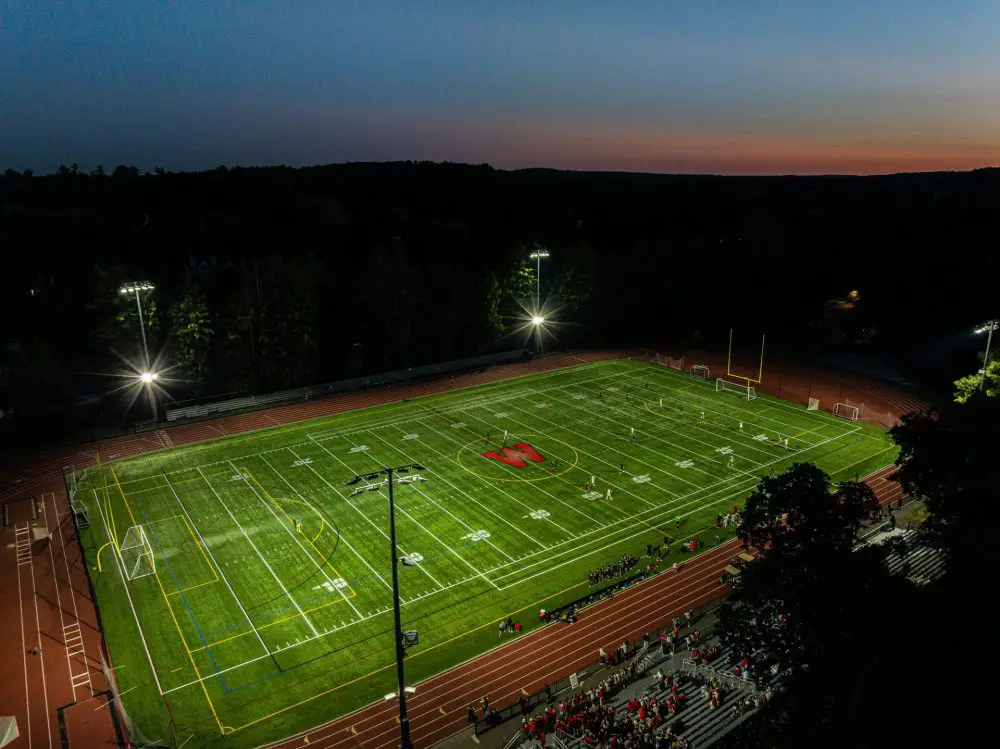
{"x": 612, "y": 570}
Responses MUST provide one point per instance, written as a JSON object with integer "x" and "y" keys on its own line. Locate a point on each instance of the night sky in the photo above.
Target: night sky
{"x": 730, "y": 86}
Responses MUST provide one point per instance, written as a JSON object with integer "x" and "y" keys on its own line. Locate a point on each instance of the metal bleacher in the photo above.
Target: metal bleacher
{"x": 297, "y": 395}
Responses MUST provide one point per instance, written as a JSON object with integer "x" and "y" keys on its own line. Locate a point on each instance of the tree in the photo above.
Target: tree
{"x": 806, "y": 605}
{"x": 948, "y": 458}
{"x": 191, "y": 329}
{"x": 968, "y": 386}
{"x": 807, "y": 534}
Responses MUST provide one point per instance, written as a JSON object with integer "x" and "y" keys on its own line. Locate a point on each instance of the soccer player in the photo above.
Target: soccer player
{"x": 702, "y": 415}
{"x": 505, "y": 436}
{"x": 593, "y": 480}
{"x": 608, "y": 496}
{"x": 661, "y": 402}
{"x": 731, "y": 461}
{"x": 298, "y": 526}
{"x": 741, "y": 426}
{"x": 633, "y": 434}
{"x": 621, "y": 468}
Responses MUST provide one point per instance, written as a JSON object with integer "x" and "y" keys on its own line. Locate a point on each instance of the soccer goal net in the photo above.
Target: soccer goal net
{"x": 813, "y": 404}
{"x": 845, "y": 412}
{"x": 700, "y": 370}
{"x": 136, "y": 553}
{"x": 744, "y": 391}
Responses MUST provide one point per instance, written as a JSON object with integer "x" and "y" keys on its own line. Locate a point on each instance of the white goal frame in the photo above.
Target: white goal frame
{"x": 744, "y": 391}
{"x": 136, "y": 554}
{"x": 700, "y": 371}
{"x": 845, "y": 411}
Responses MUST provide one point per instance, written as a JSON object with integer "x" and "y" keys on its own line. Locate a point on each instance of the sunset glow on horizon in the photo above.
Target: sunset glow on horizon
{"x": 726, "y": 87}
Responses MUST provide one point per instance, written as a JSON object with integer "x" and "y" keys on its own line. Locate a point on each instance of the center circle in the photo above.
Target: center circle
{"x": 468, "y": 449}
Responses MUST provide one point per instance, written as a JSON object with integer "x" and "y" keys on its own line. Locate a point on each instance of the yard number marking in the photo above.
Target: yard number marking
{"x": 415, "y": 556}
{"x": 685, "y": 464}
{"x": 578, "y": 396}
{"x": 542, "y": 405}
{"x": 724, "y": 450}
{"x": 332, "y": 585}
{"x": 479, "y": 535}
{"x": 539, "y": 514}
{"x": 458, "y": 425}
{"x": 501, "y": 415}
{"x": 359, "y": 449}
{"x": 239, "y": 477}
{"x": 591, "y": 496}
{"x": 761, "y": 438}
{"x": 411, "y": 436}
{"x": 642, "y": 479}
{"x": 302, "y": 462}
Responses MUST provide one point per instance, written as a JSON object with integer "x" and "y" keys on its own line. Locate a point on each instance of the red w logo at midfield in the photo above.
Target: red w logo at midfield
{"x": 516, "y": 455}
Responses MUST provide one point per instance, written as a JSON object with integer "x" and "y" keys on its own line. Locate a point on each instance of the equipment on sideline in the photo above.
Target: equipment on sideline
{"x": 136, "y": 554}
{"x": 845, "y": 412}
{"x": 813, "y": 404}
{"x": 700, "y": 370}
{"x": 744, "y": 391}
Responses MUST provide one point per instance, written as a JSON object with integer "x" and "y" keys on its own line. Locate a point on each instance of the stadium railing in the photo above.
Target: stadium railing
{"x": 637, "y": 649}
{"x": 297, "y": 395}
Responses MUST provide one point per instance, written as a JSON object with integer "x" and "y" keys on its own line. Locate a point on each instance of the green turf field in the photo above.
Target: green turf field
{"x": 269, "y": 610}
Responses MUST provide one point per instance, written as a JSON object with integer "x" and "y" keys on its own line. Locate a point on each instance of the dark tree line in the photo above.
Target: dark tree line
{"x": 873, "y": 660}
{"x": 276, "y": 277}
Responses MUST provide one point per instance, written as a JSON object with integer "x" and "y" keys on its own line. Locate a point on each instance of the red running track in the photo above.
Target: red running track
{"x": 59, "y": 588}
{"x": 543, "y": 656}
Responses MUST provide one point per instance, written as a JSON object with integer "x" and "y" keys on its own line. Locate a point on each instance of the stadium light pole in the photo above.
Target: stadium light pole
{"x": 146, "y": 376}
{"x": 537, "y": 256}
{"x": 988, "y": 327}
{"x": 404, "y": 721}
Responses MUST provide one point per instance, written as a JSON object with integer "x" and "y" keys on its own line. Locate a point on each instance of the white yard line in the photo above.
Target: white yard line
{"x": 732, "y": 490}
{"x": 655, "y": 432}
{"x": 259, "y": 555}
{"x": 699, "y": 455}
{"x": 41, "y": 653}
{"x": 55, "y": 582}
{"x": 589, "y": 518}
{"x": 24, "y": 644}
{"x": 489, "y": 485}
{"x": 69, "y": 581}
{"x": 616, "y": 487}
{"x": 222, "y": 574}
{"x": 499, "y": 517}
{"x": 444, "y": 510}
{"x": 339, "y": 534}
{"x": 128, "y": 594}
{"x": 343, "y": 496}
{"x": 298, "y": 543}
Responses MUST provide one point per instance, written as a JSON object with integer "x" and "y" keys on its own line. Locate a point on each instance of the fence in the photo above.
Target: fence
{"x": 798, "y": 382}
{"x": 636, "y": 650}
{"x": 296, "y": 395}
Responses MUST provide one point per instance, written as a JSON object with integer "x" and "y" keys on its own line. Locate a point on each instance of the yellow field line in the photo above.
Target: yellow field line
{"x": 99, "y": 554}
{"x": 197, "y": 543}
{"x": 409, "y": 657}
{"x": 192, "y": 587}
{"x": 862, "y": 460}
{"x": 318, "y": 552}
{"x": 165, "y": 486}
{"x": 170, "y": 608}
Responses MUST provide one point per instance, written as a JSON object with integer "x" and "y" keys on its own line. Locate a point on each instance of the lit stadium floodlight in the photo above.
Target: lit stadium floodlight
{"x": 135, "y": 286}
{"x": 148, "y": 377}
{"x": 987, "y": 327}
{"x": 539, "y": 254}
{"x": 537, "y": 320}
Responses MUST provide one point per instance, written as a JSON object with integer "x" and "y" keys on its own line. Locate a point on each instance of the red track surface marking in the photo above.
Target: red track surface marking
{"x": 48, "y": 683}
